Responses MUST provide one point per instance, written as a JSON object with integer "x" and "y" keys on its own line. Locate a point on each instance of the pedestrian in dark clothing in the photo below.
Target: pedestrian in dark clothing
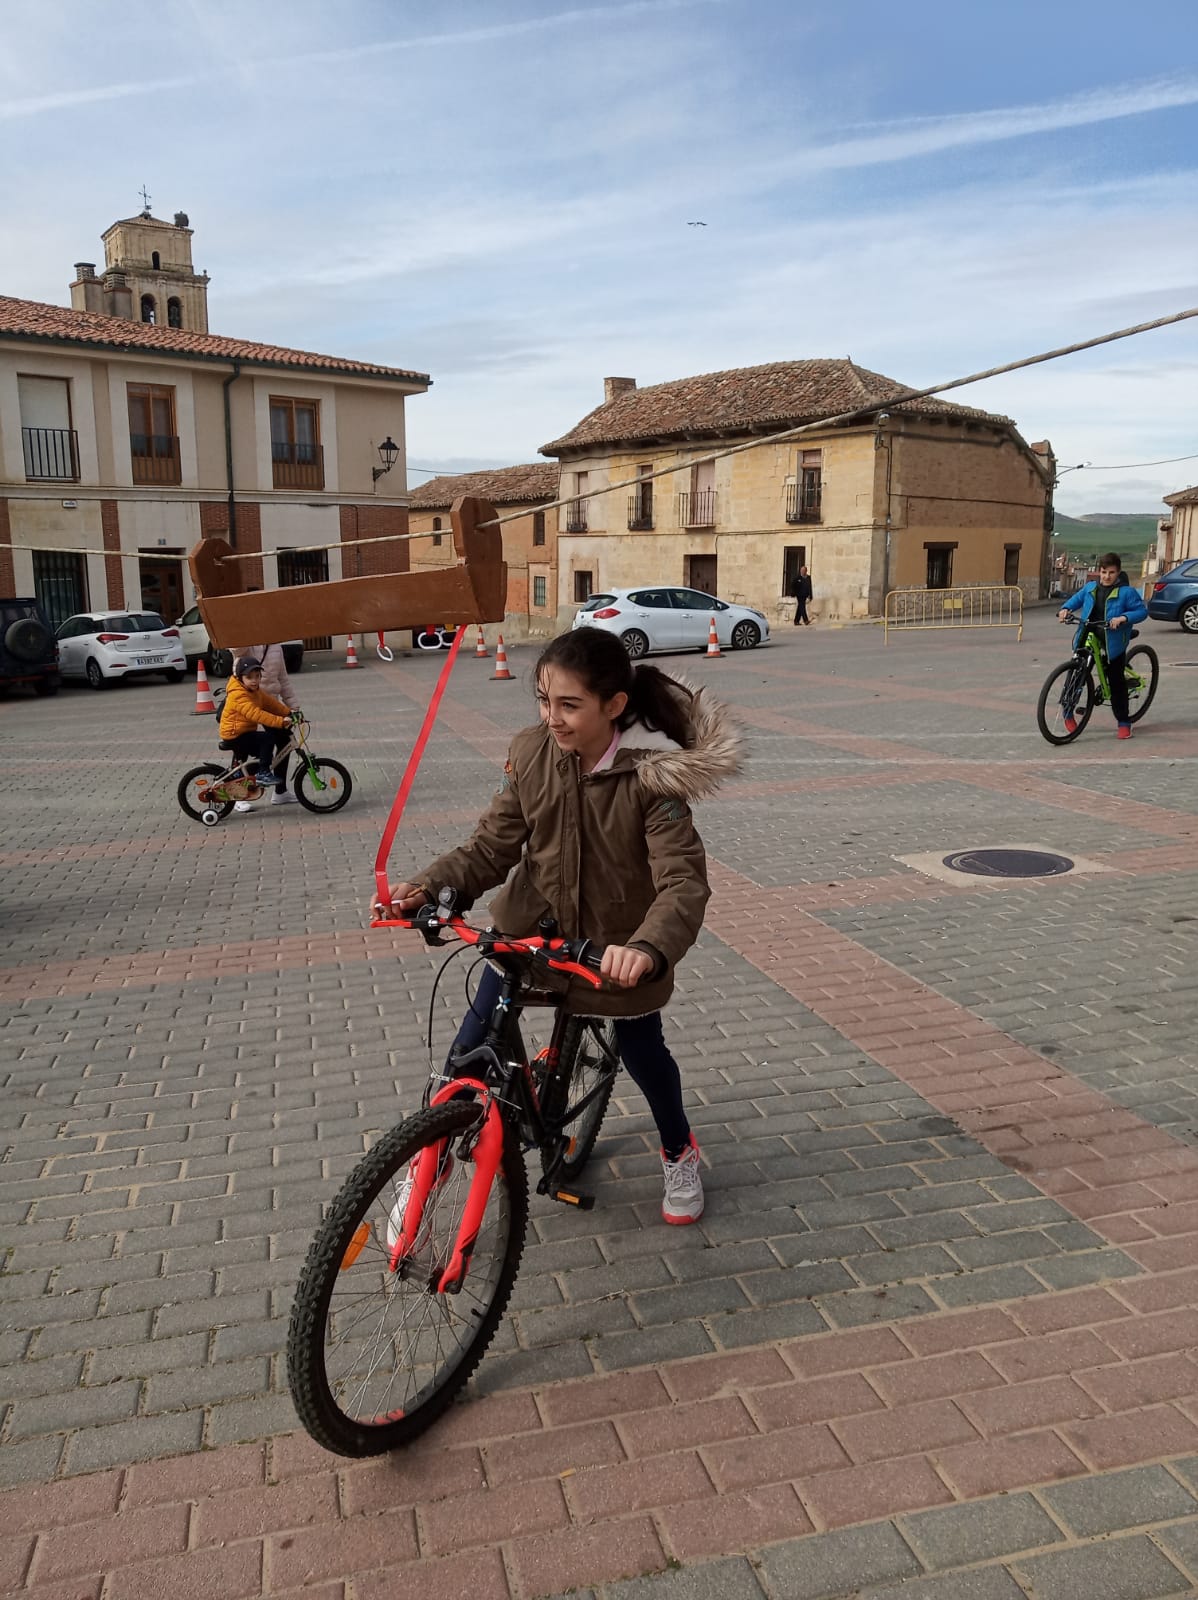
{"x": 801, "y": 590}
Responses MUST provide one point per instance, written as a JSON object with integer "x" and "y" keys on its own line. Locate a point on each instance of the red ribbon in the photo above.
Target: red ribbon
{"x": 409, "y": 777}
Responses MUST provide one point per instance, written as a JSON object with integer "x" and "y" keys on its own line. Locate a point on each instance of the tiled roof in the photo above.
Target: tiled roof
{"x": 537, "y": 480}
{"x": 780, "y": 395}
{"x": 1183, "y": 497}
{"x": 31, "y": 319}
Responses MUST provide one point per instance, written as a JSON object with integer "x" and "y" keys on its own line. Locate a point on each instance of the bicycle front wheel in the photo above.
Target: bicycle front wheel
{"x": 322, "y": 785}
{"x": 1065, "y": 703}
{"x": 589, "y": 1062}
{"x": 1142, "y": 670}
{"x": 374, "y": 1356}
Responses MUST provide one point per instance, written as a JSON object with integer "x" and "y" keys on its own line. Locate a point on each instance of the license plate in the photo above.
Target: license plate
{"x": 149, "y": 661}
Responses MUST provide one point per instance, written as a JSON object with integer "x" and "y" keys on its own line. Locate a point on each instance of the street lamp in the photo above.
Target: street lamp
{"x": 388, "y": 452}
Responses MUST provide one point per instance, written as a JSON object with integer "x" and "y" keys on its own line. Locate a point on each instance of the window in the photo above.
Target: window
{"x": 582, "y": 586}
{"x": 696, "y": 508}
{"x": 149, "y": 312}
{"x": 1010, "y": 572}
{"x": 436, "y": 530}
{"x": 540, "y": 596}
{"x": 50, "y": 444}
{"x": 60, "y": 583}
{"x": 804, "y": 497}
{"x": 153, "y": 443}
{"x": 640, "y": 501}
{"x": 538, "y": 527}
{"x": 174, "y": 312}
{"x": 651, "y": 599}
{"x": 296, "y": 455}
{"x": 155, "y": 260}
{"x": 940, "y": 565}
{"x": 576, "y": 511}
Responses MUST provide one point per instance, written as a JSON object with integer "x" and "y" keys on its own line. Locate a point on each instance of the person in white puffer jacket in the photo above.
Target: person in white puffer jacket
{"x": 274, "y": 671}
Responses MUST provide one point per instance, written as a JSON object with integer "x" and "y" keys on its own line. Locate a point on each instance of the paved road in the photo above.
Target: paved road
{"x": 935, "y": 1334}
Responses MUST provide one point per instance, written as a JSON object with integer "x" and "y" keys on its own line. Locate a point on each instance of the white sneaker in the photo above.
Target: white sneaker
{"x": 243, "y": 805}
{"x": 283, "y": 797}
{"x": 683, "y": 1199}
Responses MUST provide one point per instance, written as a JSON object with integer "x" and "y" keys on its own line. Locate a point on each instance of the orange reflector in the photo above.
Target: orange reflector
{"x": 356, "y": 1245}
{"x": 571, "y": 1146}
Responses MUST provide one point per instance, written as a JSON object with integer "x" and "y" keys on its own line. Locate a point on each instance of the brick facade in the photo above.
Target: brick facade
{"x": 8, "y": 581}
{"x": 214, "y": 522}
{"x": 114, "y": 577}
{"x": 372, "y": 522}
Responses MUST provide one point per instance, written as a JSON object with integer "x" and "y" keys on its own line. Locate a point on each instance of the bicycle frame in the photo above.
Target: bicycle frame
{"x": 1092, "y": 647}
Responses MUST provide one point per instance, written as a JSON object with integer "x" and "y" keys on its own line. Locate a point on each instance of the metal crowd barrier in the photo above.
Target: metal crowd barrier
{"x": 994, "y": 605}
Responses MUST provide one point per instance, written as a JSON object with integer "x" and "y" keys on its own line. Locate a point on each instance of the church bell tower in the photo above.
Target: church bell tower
{"x": 148, "y": 274}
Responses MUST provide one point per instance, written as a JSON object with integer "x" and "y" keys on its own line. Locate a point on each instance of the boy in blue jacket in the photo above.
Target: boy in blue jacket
{"x": 1109, "y": 607}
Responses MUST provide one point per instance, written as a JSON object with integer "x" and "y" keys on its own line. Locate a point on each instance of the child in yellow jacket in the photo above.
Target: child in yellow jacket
{"x": 254, "y": 723}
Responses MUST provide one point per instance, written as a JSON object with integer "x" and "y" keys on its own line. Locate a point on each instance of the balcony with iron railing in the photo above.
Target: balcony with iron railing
{"x": 697, "y": 509}
{"x": 803, "y": 502}
{"x": 640, "y": 511}
{"x": 51, "y": 454}
{"x": 576, "y": 516}
{"x": 155, "y": 458}
{"x": 297, "y": 466}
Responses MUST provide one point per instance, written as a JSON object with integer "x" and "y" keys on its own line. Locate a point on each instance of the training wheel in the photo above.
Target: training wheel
{"x": 210, "y": 818}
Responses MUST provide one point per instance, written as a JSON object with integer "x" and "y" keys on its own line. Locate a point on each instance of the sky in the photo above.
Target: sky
{"x": 506, "y": 194}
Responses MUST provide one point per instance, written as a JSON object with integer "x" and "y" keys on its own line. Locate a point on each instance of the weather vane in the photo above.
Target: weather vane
{"x": 145, "y": 199}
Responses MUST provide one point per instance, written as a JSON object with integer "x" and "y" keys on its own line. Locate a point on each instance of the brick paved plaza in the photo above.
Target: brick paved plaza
{"x": 935, "y": 1336}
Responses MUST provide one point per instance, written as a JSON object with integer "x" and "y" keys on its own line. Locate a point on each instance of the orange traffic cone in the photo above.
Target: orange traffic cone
{"x": 351, "y": 654}
{"x": 205, "y": 704}
{"x": 480, "y": 650}
{"x": 713, "y": 643}
{"x": 501, "y": 670}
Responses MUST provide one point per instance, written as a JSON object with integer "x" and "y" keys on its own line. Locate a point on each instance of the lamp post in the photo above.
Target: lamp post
{"x": 388, "y": 453}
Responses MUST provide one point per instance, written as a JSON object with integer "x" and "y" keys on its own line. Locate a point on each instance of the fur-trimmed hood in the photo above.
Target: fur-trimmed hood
{"x": 715, "y": 752}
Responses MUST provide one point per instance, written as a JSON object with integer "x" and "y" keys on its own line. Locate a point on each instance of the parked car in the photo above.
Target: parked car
{"x": 28, "y": 653}
{"x": 666, "y": 618}
{"x": 217, "y": 661}
{"x": 105, "y": 645}
{"x": 1174, "y": 597}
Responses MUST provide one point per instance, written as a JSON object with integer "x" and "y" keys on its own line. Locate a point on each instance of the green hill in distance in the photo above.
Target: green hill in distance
{"x": 1130, "y": 533}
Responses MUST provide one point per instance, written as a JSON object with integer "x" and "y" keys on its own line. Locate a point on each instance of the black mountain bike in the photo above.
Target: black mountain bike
{"x": 412, "y": 1267}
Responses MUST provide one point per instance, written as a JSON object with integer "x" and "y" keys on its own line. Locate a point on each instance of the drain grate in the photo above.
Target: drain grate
{"x": 1009, "y": 863}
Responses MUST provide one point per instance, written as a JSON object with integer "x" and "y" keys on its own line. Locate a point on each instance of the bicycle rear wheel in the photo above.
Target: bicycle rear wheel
{"x": 1142, "y": 671}
{"x": 193, "y": 793}
{"x": 327, "y": 790}
{"x": 374, "y": 1356}
{"x": 1067, "y": 697}
{"x": 589, "y": 1062}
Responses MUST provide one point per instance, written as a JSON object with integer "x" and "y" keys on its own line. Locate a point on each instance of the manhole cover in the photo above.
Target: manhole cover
{"x": 1009, "y": 863}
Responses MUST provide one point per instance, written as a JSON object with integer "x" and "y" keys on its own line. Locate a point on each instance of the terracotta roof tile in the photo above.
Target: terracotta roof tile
{"x": 31, "y": 319}
{"x": 779, "y": 395}
{"x": 537, "y": 480}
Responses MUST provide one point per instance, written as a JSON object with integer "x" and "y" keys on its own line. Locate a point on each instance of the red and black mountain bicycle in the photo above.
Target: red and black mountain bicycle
{"x": 411, "y": 1269}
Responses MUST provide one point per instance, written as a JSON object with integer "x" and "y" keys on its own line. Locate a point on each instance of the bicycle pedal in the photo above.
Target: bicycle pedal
{"x": 571, "y": 1197}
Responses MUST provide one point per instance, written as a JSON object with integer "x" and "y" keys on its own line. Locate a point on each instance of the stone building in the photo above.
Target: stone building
{"x": 529, "y": 540}
{"x": 911, "y": 493}
{"x": 148, "y": 275}
{"x": 1177, "y": 538}
{"x": 124, "y": 441}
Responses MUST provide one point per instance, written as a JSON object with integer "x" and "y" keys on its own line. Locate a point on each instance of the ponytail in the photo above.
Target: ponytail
{"x": 601, "y": 662}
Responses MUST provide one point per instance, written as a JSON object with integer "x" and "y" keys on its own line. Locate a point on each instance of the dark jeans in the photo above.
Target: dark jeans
{"x": 801, "y": 612}
{"x": 1118, "y": 684}
{"x": 643, "y": 1050}
{"x": 264, "y": 745}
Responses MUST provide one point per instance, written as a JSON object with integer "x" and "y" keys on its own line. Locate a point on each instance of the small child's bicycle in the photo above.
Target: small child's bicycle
{"x": 1072, "y": 690}
{"x": 412, "y": 1267}
{"x": 208, "y": 793}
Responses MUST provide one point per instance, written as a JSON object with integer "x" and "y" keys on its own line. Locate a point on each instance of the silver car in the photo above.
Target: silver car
{"x": 662, "y": 617}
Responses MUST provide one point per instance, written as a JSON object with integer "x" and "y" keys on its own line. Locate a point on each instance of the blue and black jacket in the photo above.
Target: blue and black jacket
{"x": 1124, "y": 601}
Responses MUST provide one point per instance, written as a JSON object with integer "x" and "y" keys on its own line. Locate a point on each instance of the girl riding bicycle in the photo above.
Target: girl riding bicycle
{"x": 593, "y": 813}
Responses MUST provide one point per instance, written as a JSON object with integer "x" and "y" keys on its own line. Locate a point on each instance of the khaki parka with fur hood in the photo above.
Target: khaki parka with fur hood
{"x": 612, "y": 856}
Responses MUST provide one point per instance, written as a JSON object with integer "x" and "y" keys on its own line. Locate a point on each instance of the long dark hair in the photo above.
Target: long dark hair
{"x": 600, "y": 661}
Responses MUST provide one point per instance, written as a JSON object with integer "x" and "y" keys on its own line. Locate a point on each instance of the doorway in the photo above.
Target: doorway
{"x": 60, "y": 584}
{"x": 162, "y": 587}
{"x": 700, "y": 573}
{"x": 940, "y": 565}
{"x": 794, "y": 556}
{"x": 298, "y": 567}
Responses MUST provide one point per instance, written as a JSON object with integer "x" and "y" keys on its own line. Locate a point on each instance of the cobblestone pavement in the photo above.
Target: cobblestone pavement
{"x": 935, "y": 1335}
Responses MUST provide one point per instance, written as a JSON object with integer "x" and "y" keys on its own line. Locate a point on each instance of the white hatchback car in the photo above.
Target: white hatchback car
{"x": 219, "y": 662}
{"x": 661, "y": 617}
{"x": 103, "y": 645}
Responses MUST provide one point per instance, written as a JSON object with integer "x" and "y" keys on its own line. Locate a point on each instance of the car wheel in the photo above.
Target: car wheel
{"x": 219, "y": 664}
{"x": 746, "y": 636}
{"x": 293, "y": 657}
{"x": 46, "y": 686}
{"x": 1188, "y": 616}
{"x": 95, "y": 676}
{"x": 636, "y": 643}
{"x": 174, "y": 674}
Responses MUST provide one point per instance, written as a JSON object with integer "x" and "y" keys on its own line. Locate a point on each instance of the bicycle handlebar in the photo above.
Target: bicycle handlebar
{"x": 578, "y": 957}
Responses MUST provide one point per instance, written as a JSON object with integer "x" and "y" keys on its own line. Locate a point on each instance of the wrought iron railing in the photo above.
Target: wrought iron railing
{"x": 803, "y": 502}
{"x": 640, "y": 511}
{"x": 51, "y": 453}
{"x": 576, "y": 517}
{"x": 697, "y": 509}
{"x": 155, "y": 458}
{"x": 297, "y": 466}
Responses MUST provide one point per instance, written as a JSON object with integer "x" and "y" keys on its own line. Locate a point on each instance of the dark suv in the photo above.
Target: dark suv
{"x": 28, "y": 653}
